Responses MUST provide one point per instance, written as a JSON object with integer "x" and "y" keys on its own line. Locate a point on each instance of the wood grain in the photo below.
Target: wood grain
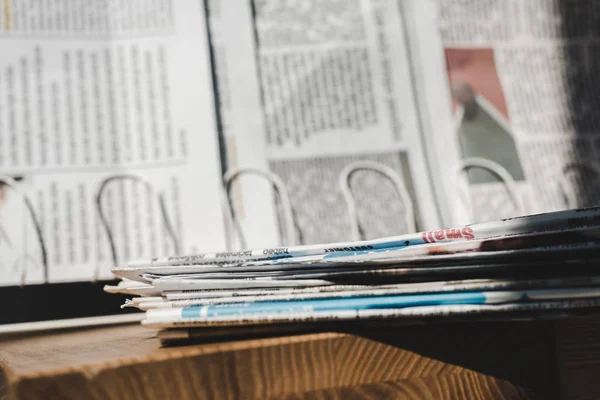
{"x": 108, "y": 363}
{"x": 578, "y": 356}
{"x": 465, "y": 385}
{"x": 462, "y": 360}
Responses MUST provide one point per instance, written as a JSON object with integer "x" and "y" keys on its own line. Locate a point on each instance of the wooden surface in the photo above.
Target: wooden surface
{"x": 578, "y": 358}
{"x": 512, "y": 360}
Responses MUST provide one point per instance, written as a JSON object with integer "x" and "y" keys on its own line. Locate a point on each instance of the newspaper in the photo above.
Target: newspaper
{"x": 88, "y": 94}
{"x": 539, "y": 266}
{"x": 558, "y": 220}
{"x": 487, "y": 108}
{"x": 366, "y": 268}
{"x": 562, "y": 226}
{"x": 331, "y": 82}
{"x": 370, "y": 113}
{"x": 169, "y": 319}
{"x": 523, "y": 77}
{"x": 409, "y": 288}
{"x": 498, "y": 246}
{"x": 173, "y": 297}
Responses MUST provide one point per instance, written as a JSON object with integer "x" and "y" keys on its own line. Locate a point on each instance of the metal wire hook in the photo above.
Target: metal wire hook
{"x": 105, "y": 224}
{"x": 386, "y": 172}
{"x": 10, "y": 182}
{"x": 496, "y": 169}
{"x": 563, "y": 183}
{"x": 289, "y": 231}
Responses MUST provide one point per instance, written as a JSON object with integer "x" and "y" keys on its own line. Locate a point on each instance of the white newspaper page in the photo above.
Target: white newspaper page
{"x": 523, "y": 80}
{"x": 108, "y": 105}
{"x": 335, "y": 87}
{"x": 241, "y": 120}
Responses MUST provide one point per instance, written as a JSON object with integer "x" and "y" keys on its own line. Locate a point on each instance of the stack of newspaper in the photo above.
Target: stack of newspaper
{"x": 540, "y": 265}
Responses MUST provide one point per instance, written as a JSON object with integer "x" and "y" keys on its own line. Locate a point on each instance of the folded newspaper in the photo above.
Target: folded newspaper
{"x": 535, "y": 266}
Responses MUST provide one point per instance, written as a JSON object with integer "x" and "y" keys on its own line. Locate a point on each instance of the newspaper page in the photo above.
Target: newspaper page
{"x": 334, "y": 88}
{"x": 523, "y": 79}
{"x": 238, "y": 101}
{"x": 104, "y": 108}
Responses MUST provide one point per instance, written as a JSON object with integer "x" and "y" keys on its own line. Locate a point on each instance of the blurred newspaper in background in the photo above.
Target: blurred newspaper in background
{"x": 417, "y": 114}
{"x": 533, "y": 67}
{"x": 499, "y": 90}
{"x": 334, "y": 87}
{"x": 89, "y": 93}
